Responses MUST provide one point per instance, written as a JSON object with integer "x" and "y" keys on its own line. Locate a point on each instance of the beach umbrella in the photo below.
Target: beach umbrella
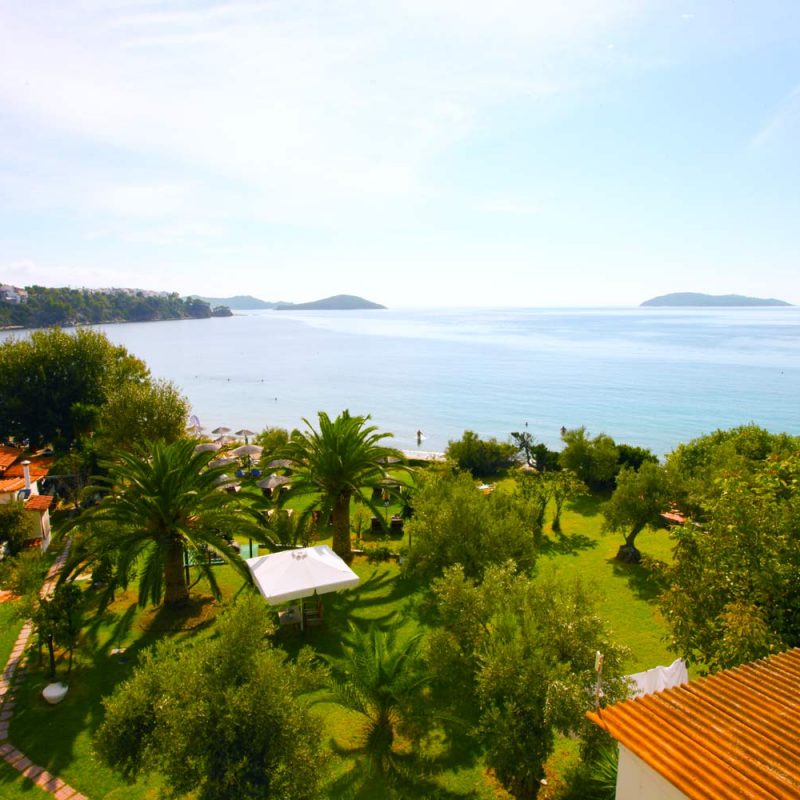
{"x": 206, "y": 447}
{"x": 222, "y": 462}
{"x": 245, "y": 432}
{"x": 296, "y": 574}
{"x": 247, "y": 450}
{"x": 273, "y": 482}
{"x": 225, "y": 439}
{"x": 226, "y": 482}
{"x": 389, "y": 460}
{"x": 221, "y": 429}
{"x": 280, "y": 463}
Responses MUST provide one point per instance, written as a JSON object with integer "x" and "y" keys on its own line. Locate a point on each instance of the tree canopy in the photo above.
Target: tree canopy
{"x": 138, "y": 413}
{"x": 733, "y": 592}
{"x": 521, "y": 654}
{"x": 482, "y": 457}
{"x": 53, "y": 383}
{"x": 593, "y": 460}
{"x": 454, "y": 523}
{"x": 220, "y": 718}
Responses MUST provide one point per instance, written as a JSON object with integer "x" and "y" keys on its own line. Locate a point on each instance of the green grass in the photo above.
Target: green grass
{"x": 60, "y": 738}
{"x": 10, "y": 627}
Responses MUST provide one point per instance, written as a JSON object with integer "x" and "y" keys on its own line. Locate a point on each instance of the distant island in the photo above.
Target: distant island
{"x": 42, "y": 306}
{"x": 240, "y": 302}
{"x": 339, "y": 302}
{"x": 677, "y": 299}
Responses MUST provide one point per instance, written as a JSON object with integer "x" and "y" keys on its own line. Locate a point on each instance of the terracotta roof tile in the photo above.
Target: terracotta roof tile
{"x": 38, "y": 502}
{"x": 733, "y": 734}
{"x": 11, "y": 485}
{"x": 36, "y": 470}
{"x": 8, "y": 455}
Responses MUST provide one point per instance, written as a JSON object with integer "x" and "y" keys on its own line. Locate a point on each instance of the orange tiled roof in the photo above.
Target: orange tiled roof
{"x": 37, "y": 471}
{"x": 11, "y": 485}
{"x": 8, "y": 455}
{"x": 38, "y": 502}
{"x": 730, "y": 735}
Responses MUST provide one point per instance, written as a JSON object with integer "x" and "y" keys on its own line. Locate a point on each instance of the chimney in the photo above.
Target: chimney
{"x": 26, "y": 471}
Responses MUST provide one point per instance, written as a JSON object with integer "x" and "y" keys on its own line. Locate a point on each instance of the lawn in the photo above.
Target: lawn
{"x": 60, "y": 738}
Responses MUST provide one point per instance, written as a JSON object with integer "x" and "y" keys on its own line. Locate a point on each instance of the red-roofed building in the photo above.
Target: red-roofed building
{"x": 39, "y": 507}
{"x": 19, "y": 481}
{"x": 734, "y": 734}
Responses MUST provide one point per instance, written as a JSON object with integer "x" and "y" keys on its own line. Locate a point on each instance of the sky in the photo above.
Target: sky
{"x": 418, "y": 153}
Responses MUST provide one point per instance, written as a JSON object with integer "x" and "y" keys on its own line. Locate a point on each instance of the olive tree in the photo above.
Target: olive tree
{"x": 520, "y": 654}
{"x": 219, "y": 718}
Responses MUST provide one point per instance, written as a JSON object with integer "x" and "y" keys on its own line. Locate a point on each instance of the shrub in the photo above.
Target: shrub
{"x": 482, "y": 457}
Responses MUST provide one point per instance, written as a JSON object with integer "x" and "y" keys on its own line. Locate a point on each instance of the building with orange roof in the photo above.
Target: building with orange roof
{"x": 735, "y": 734}
{"x": 38, "y": 506}
{"x": 19, "y": 481}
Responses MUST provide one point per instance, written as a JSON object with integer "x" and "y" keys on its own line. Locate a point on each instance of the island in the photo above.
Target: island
{"x": 696, "y": 299}
{"x": 339, "y": 302}
{"x": 241, "y": 302}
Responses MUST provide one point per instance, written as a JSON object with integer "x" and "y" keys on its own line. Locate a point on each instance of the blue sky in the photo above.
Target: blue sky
{"x": 416, "y": 152}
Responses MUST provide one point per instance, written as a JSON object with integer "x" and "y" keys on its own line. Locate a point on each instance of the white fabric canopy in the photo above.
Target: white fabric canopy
{"x": 294, "y": 574}
{"x": 660, "y": 678}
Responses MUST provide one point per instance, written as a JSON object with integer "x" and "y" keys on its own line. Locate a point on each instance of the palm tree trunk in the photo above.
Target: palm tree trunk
{"x": 174, "y": 577}
{"x": 341, "y": 528}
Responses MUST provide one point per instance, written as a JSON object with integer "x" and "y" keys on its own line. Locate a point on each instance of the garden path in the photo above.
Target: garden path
{"x": 12, "y": 676}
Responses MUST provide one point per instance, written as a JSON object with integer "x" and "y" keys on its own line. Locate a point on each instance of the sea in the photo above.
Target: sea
{"x": 653, "y": 377}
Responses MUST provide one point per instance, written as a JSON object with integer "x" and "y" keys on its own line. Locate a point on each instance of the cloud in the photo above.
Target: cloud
{"x": 319, "y": 109}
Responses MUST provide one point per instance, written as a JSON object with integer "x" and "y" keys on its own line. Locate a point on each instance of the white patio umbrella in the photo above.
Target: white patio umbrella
{"x": 295, "y": 574}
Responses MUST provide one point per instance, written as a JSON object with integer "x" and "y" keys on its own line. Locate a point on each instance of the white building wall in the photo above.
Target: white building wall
{"x": 637, "y": 781}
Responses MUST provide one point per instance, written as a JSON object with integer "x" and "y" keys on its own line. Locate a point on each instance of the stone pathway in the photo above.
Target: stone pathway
{"x": 12, "y": 677}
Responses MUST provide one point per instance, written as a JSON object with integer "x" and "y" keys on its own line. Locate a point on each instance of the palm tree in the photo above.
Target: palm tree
{"x": 381, "y": 680}
{"x": 337, "y": 463}
{"x": 158, "y": 508}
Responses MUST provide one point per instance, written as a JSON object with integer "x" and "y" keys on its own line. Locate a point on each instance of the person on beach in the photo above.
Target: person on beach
{"x": 419, "y": 438}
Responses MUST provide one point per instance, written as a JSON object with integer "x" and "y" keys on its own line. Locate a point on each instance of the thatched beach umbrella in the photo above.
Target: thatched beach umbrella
{"x": 273, "y": 482}
{"x": 225, "y": 439}
{"x": 222, "y": 462}
{"x": 207, "y": 447}
{"x": 247, "y": 450}
{"x": 280, "y": 463}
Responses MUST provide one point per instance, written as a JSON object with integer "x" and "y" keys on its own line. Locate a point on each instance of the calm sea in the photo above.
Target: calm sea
{"x": 646, "y": 376}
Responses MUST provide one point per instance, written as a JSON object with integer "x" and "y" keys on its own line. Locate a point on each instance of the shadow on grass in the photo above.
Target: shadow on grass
{"x": 644, "y": 580}
{"x": 568, "y": 544}
{"x": 380, "y": 598}
{"x": 588, "y": 505}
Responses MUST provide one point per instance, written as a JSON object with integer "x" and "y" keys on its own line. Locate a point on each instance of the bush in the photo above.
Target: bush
{"x": 380, "y": 553}
{"x": 482, "y": 457}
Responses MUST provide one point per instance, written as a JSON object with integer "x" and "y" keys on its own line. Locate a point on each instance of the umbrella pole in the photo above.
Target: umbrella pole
{"x": 302, "y": 615}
